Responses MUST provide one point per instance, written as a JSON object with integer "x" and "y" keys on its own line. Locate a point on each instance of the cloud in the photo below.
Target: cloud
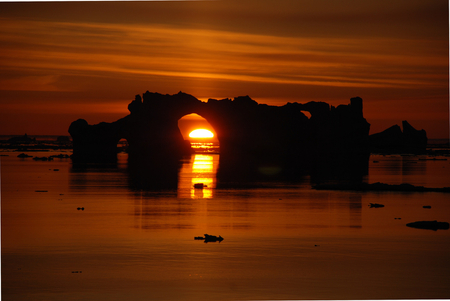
{"x": 79, "y": 54}
{"x": 30, "y": 83}
{"x": 72, "y": 48}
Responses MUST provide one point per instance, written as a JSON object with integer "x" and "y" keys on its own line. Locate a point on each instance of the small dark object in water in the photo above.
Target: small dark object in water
{"x": 80, "y": 208}
{"x": 213, "y": 238}
{"x": 60, "y": 156}
{"x": 397, "y": 218}
{"x": 429, "y": 225}
{"x": 43, "y": 158}
{"x": 56, "y": 169}
{"x": 375, "y": 205}
{"x": 199, "y": 185}
{"x": 41, "y": 191}
{"x": 427, "y": 207}
{"x": 22, "y": 155}
{"x": 376, "y": 161}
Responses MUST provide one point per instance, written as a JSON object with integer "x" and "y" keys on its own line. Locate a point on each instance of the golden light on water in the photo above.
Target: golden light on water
{"x": 202, "y": 164}
{"x": 205, "y": 147}
{"x": 202, "y": 170}
{"x": 201, "y": 133}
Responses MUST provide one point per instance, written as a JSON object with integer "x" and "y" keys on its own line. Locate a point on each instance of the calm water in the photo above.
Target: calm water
{"x": 282, "y": 241}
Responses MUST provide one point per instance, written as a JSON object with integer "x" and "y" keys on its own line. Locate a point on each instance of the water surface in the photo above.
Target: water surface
{"x": 282, "y": 241}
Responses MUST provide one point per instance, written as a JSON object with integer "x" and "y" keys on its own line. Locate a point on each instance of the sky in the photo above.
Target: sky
{"x": 61, "y": 61}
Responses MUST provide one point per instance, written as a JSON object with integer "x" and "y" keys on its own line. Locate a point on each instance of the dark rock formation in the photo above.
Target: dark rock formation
{"x": 21, "y": 140}
{"x": 213, "y": 238}
{"x": 256, "y": 140}
{"x": 95, "y": 143}
{"x": 43, "y": 158}
{"x": 429, "y": 225}
{"x": 23, "y": 155}
{"x": 393, "y": 140}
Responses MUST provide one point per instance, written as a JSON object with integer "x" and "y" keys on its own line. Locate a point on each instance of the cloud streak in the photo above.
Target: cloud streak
{"x": 192, "y": 53}
{"x": 70, "y": 54}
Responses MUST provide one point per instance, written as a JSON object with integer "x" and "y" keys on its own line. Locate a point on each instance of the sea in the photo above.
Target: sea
{"x": 85, "y": 234}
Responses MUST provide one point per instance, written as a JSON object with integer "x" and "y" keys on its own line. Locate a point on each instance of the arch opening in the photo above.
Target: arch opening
{"x": 199, "y": 133}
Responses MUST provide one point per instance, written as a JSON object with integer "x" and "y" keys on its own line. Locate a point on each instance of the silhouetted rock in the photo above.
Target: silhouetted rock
{"x": 60, "y": 156}
{"x": 43, "y": 158}
{"x": 429, "y": 225}
{"x": 23, "y": 155}
{"x": 135, "y": 105}
{"x": 389, "y": 138}
{"x": 393, "y": 140}
{"x": 213, "y": 238}
{"x": 257, "y": 141}
{"x": 414, "y": 140}
{"x": 95, "y": 143}
{"x": 200, "y": 185}
{"x": 21, "y": 140}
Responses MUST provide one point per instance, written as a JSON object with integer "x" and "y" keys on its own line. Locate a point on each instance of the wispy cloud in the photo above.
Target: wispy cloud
{"x": 94, "y": 57}
{"x": 65, "y": 48}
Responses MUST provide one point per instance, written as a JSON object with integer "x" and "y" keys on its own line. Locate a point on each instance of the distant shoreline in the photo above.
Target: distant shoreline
{"x": 4, "y": 138}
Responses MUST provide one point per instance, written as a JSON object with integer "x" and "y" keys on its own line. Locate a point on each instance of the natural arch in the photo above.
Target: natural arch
{"x": 252, "y": 136}
{"x": 193, "y": 121}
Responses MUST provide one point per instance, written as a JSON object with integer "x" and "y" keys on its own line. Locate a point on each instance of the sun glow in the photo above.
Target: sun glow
{"x": 201, "y": 133}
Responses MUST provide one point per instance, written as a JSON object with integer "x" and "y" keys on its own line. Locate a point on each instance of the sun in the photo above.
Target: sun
{"x": 201, "y": 133}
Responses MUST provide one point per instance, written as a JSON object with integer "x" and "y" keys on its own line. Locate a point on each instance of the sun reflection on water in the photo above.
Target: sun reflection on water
{"x": 205, "y": 147}
{"x": 201, "y": 169}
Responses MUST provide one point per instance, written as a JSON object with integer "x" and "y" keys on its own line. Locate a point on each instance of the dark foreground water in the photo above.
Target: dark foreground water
{"x": 282, "y": 241}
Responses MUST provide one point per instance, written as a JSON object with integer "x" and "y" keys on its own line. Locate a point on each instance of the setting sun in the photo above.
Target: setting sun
{"x": 201, "y": 133}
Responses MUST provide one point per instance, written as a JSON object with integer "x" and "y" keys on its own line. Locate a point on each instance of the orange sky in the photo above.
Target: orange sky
{"x": 64, "y": 61}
